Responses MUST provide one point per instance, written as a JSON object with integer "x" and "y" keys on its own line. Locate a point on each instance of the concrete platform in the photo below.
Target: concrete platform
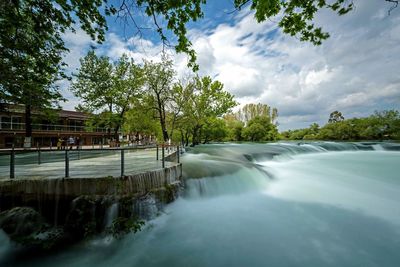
{"x": 82, "y": 164}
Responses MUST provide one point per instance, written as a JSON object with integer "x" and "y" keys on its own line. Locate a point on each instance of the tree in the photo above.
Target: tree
{"x": 380, "y": 125}
{"x": 207, "y": 101}
{"x": 181, "y": 92}
{"x": 389, "y": 121}
{"x": 214, "y": 130}
{"x": 108, "y": 88}
{"x": 260, "y": 128}
{"x": 335, "y": 116}
{"x": 32, "y": 47}
{"x": 158, "y": 87}
{"x": 234, "y": 127}
{"x": 140, "y": 119}
{"x": 314, "y": 128}
{"x": 250, "y": 111}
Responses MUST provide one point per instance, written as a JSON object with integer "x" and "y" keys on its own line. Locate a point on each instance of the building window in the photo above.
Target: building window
{"x": 11, "y": 123}
{"x": 16, "y": 123}
{"x": 5, "y": 122}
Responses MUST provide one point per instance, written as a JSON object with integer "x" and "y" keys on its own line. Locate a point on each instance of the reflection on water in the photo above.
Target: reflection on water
{"x": 294, "y": 205}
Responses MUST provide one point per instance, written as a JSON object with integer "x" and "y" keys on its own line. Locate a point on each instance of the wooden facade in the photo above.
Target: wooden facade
{"x": 45, "y": 131}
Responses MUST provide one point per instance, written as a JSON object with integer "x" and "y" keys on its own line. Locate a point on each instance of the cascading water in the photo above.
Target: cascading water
{"x": 111, "y": 214}
{"x": 282, "y": 204}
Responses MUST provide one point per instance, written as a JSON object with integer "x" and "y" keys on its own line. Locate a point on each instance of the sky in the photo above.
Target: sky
{"x": 355, "y": 71}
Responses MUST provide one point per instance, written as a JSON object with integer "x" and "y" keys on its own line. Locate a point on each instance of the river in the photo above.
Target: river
{"x": 277, "y": 204}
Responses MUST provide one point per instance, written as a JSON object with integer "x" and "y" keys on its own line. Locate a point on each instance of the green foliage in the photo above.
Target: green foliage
{"x": 122, "y": 226}
{"x": 108, "y": 88}
{"x": 32, "y": 47}
{"x": 159, "y": 90}
{"x": 140, "y": 118}
{"x": 214, "y": 129}
{"x": 335, "y": 116}
{"x": 380, "y": 125}
{"x": 206, "y": 102}
{"x": 250, "y": 111}
{"x": 260, "y": 128}
{"x": 296, "y": 20}
{"x": 177, "y": 14}
{"x": 234, "y": 127}
{"x": 297, "y": 16}
{"x": 253, "y": 122}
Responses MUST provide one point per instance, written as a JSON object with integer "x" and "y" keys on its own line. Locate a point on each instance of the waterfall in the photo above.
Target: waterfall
{"x": 275, "y": 204}
{"x": 5, "y": 243}
{"x": 377, "y": 147}
{"x": 111, "y": 214}
{"x": 242, "y": 181}
{"x": 58, "y": 183}
{"x": 145, "y": 207}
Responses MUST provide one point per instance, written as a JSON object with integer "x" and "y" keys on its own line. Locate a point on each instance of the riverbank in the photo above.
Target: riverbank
{"x": 50, "y": 212}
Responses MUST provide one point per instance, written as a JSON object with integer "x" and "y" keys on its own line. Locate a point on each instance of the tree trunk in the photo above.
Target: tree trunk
{"x": 187, "y": 138}
{"x": 195, "y": 136}
{"x": 161, "y": 113}
{"x": 28, "y": 121}
{"x": 164, "y": 131}
{"x": 163, "y": 127}
{"x": 28, "y": 126}
{"x": 182, "y": 138}
{"x": 116, "y": 135}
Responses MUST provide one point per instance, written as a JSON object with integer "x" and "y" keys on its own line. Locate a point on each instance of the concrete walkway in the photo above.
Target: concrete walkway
{"x": 82, "y": 164}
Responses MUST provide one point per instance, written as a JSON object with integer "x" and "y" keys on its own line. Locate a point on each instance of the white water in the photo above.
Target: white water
{"x": 111, "y": 214}
{"x": 322, "y": 204}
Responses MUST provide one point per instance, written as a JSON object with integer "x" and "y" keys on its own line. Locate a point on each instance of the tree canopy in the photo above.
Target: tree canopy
{"x": 32, "y": 45}
{"x": 380, "y": 125}
{"x": 108, "y": 87}
{"x": 31, "y": 48}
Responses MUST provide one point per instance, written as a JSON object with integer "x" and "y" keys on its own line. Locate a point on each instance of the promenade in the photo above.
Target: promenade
{"x": 85, "y": 163}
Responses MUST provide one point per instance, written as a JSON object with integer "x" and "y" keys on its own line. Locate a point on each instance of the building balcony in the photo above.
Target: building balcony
{"x": 53, "y": 128}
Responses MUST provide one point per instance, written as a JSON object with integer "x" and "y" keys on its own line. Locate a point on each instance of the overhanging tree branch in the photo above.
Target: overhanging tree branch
{"x": 395, "y": 5}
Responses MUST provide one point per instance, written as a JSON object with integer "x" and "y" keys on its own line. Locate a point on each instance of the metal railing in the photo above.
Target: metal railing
{"x": 168, "y": 153}
{"x": 54, "y": 127}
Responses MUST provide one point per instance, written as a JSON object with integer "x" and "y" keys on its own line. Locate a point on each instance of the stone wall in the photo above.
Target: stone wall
{"x": 139, "y": 183}
{"x": 74, "y": 205}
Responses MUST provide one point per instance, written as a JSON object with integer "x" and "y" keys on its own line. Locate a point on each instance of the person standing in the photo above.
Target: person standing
{"x": 59, "y": 143}
{"x": 71, "y": 142}
{"x": 77, "y": 142}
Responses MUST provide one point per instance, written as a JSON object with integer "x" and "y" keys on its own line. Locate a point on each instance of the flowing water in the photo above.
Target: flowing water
{"x": 282, "y": 204}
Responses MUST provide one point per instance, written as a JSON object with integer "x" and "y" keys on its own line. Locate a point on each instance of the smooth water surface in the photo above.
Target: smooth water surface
{"x": 284, "y": 204}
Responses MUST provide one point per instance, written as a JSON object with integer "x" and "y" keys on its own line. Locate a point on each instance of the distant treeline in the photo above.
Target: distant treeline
{"x": 253, "y": 122}
{"x": 258, "y": 123}
{"x": 382, "y": 125}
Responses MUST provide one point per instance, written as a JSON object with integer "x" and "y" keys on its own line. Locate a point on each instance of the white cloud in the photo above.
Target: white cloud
{"x": 354, "y": 71}
{"x": 77, "y": 43}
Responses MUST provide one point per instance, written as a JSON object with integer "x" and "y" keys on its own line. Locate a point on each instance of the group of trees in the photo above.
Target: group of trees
{"x": 32, "y": 46}
{"x": 380, "y": 125}
{"x": 253, "y": 122}
{"x": 148, "y": 98}
{"x": 107, "y": 89}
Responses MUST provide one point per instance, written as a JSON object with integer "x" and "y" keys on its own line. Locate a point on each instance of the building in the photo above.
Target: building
{"x": 45, "y": 131}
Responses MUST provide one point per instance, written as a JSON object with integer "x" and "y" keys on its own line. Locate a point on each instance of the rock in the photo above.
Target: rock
{"x": 81, "y": 220}
{"x": 21, "y": 222}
